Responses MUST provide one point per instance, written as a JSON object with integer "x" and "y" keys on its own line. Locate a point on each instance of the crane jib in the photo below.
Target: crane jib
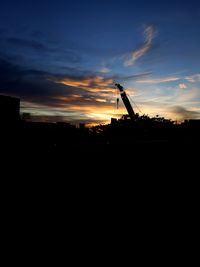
{"x": 126, "y": 101}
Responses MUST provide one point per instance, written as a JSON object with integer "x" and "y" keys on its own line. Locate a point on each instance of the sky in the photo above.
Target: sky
{"x": 62, "y": 58}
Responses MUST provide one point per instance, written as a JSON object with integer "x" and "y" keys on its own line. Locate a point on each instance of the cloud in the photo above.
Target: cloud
{"x": 95, "y": 84}
{"x": 131, "y": 77}
{"x": 104, "y": 70}
{"x": 193, "y": 78}
{"x": 159, "y": 80}
{"x": 79, "y": 96}
{"x": 149, "y": 34}
{"x": 76, "y": 97}
{"x": 182, "y": 86}
{"x": 181, "y": 113}
{"x": 101, "y": 100}
{"x": 188, "y": 96}
{"x": 18, "y": 81}
{"x": 31, "y": 50}
{"x": 74, "y": 112}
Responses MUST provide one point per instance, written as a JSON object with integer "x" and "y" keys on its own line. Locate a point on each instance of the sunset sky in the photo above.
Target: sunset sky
{"x": 62, "y": 58}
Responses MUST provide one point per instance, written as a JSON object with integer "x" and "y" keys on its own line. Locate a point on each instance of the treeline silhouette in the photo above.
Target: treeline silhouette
{"x": 143, "y": 129}
{"x": 16, "y": 131}
{"x": 124, "y": 131}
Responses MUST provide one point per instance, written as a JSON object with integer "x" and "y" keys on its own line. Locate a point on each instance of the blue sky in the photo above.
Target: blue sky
{"x": 62, "y": 58}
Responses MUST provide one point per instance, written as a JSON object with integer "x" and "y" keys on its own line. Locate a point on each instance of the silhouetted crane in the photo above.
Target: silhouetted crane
{"x": 126, "y": 101}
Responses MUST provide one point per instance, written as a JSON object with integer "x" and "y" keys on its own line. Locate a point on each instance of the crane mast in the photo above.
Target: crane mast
{"x": 126, "y": 101}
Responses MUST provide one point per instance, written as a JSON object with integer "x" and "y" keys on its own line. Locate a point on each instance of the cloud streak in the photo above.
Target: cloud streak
{"x": 159, "y": 80}
{"x": 95, "y": 84}
{"x": 149, "y": 34}
{"x": 193, "y": 78}
{"x": 184, "y": 114}
{"x": 104, "y": 70}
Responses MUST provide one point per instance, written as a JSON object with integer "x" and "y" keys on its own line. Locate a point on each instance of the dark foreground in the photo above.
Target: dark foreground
{"x": 61, "y": 136}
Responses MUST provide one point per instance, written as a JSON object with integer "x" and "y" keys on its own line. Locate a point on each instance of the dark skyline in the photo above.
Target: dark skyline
{"x": 62, "y": 58}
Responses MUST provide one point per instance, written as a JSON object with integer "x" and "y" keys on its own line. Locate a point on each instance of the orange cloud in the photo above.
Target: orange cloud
{"x": 101, "y": 100}
{"x": 95, "y": 84}
{"x": 68, "y": 98}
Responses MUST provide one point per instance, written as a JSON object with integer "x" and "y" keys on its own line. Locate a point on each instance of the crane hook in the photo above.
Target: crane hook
{"x": 117, "y": 103}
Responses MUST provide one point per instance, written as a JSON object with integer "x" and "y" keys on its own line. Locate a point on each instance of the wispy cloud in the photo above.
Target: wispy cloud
{"x": 182, "y": 86}
{"x": 101, "y": 100}
{"x": 173, "y": 78}
{"x": 181, "y": 113}
{"x": 135, "y": 77}
{"x": 149, "y": 34}
{"x": 104, "y": 70}
{"x": 193, "y": 78}
{"x": 159, "y": 80}
{"x": 188, "y": 96}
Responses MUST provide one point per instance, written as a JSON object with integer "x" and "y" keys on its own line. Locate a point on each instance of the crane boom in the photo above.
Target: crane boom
{"x": 126, "y": 101}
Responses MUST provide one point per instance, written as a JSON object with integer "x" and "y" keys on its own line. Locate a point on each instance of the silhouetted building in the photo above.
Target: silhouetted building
{"x": 82, "y": 126}
{"x": 193, "y": 122}
{"x": 113, "y": 121}
{"x": 26, "y": 116}
{"x": 9, "y": 109}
